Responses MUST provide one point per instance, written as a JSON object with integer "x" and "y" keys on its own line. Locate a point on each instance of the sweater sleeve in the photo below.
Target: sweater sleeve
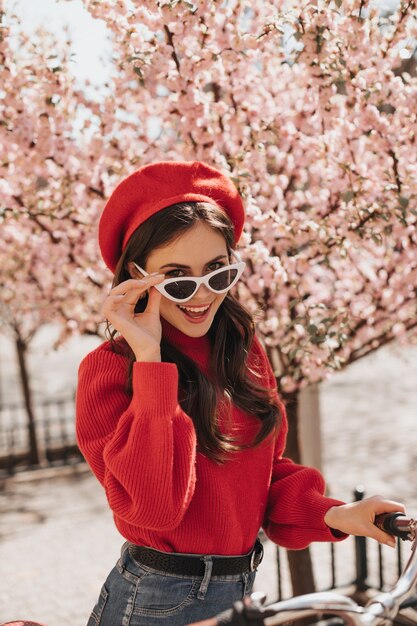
{"x": 142, "y": 447}
{"x": 296, "y": 502}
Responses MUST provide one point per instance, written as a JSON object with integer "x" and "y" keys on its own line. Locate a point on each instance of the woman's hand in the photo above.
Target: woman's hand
{"x": 142, "y": 331}
{"x": 357, "y": 518}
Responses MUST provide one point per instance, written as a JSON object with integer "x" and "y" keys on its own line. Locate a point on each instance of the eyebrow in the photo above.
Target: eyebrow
{"x": 187, "y": 267}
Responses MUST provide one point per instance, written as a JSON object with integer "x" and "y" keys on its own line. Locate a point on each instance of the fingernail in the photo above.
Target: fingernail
{"x": 391, "y": 543}
{"x": 155, "y": 274}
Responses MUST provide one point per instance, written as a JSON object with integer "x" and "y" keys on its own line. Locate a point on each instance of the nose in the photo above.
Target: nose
{"x": 202, "y": 293}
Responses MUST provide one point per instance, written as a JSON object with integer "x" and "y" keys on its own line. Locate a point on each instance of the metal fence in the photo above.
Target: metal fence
{"x": 55, "y": 433}
{"x": 374, "y": 567}
{"x": 358, "y": 567}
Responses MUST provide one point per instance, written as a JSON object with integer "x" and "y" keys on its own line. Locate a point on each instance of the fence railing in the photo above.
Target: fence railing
{"x": 374, "y": 567}
{"x": 359, "y": 566}
{"x": 55, "y": 434}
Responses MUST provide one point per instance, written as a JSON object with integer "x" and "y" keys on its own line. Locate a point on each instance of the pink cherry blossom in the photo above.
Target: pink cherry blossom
{"x": 310, "y": 111}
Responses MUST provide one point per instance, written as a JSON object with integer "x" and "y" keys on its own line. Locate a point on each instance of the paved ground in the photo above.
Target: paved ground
{"x": 57, "y": 537}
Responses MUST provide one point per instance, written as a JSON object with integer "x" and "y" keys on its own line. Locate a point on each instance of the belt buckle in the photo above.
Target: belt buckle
{"x": 256, "y": 557}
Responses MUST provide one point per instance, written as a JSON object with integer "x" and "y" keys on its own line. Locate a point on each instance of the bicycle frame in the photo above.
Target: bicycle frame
{"x": 314, "y": 605}
{"x": 381, "y": 609}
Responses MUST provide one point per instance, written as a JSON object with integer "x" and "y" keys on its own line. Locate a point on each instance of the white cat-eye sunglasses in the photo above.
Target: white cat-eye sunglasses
{"x": 182, "y": 288}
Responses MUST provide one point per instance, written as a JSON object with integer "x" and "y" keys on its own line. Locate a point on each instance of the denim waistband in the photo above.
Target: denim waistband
{"x": 196, "y": 565}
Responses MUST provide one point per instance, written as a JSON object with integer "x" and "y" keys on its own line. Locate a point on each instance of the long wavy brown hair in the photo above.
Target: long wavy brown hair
{"x": 231, "y": 335}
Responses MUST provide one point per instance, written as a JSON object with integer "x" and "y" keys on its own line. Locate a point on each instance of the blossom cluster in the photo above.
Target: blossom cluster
{"x": 310, "y": 110}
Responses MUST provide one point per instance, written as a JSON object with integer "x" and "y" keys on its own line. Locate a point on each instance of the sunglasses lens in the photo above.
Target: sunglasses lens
{"x": 181, "y": 290}
{"x": 222, "y": 280}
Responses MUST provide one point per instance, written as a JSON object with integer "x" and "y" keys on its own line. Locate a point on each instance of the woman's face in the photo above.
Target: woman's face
{"x": 197, "y": 252}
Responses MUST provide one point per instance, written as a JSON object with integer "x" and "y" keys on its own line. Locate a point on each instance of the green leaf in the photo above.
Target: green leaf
{"x": 191, "y": 7}
{"x": 312, "y": 329}
{"x": 138, "y": 71}
{"x": 348, "y": 196}
{"x": 341, "y": 86}
{"x": 338, "y": 3}
{"x": 404, "y": 202}
{"x": 316, "y": 339}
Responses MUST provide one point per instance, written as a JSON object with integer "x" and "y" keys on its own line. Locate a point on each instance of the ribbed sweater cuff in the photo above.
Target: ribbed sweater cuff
{"x": 321, "y": 505}
{"x": 156, "y": 385}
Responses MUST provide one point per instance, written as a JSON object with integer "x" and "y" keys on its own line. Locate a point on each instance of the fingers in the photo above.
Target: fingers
{"x": 379, "y": 505}
{"x": 124, "y": 297}
{"x": 132, "y": 289}
{"x": 382, "y": 505}
{"x": 386, "y": 506}
{"x": 357, "y": 518}
{"x": 154, "y": 302}
{"x": 381, "y": 537}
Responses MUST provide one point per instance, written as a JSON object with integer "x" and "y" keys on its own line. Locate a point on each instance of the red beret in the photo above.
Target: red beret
{"x": 155, "y": 187}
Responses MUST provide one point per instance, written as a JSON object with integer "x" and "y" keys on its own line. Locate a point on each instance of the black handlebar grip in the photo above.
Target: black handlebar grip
{"x": 396, "y": 524}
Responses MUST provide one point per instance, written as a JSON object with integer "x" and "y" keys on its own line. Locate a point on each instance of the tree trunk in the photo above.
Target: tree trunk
{"x": 21, "y": 349}
{"x": 301, "y": 569}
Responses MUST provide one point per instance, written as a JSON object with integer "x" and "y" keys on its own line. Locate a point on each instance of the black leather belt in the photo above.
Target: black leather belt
{"x": 194, "y": 565}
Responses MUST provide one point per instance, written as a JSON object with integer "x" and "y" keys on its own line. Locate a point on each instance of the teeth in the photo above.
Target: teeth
{"x": 194, "y": 309}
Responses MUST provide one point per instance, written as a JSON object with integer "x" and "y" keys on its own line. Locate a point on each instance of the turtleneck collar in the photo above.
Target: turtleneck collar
{"x": 184, "y": 342}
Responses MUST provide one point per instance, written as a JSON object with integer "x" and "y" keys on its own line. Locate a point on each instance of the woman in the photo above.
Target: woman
{"x": 178, "y": 414}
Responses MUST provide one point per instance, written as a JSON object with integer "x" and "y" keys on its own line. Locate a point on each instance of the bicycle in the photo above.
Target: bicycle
{"x": 382, "y": 609}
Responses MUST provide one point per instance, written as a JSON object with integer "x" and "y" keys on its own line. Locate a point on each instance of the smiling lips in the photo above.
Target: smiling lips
{"x": 195, "y": 311}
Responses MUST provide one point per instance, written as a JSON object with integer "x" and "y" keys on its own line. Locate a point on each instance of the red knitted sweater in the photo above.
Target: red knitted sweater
{"x": 163, "y": 492}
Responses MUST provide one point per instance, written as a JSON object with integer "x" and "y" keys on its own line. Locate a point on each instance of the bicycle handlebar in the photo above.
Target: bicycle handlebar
{"x": 251, "y": 612}
{"x": 397, "y": 524}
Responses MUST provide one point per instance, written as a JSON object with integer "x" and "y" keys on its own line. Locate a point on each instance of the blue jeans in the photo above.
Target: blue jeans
{"x": 137, "y": 595}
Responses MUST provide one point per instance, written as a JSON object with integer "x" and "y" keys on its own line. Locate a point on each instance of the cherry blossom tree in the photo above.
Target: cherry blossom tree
{"x": 309, "y": 106}
{"x": 49, "y": 198}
